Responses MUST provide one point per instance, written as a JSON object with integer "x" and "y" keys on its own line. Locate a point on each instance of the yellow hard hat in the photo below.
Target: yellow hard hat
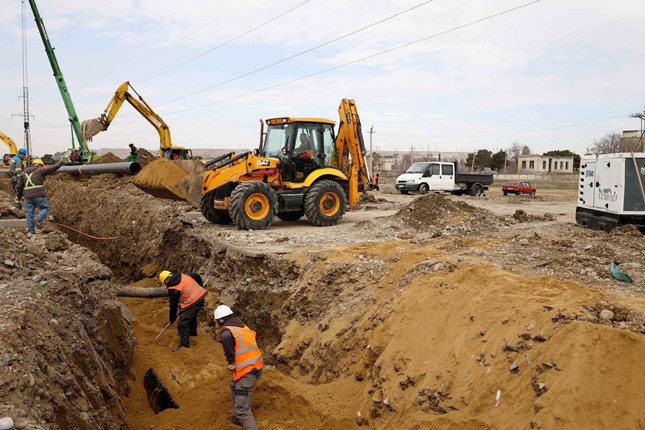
{"x": 163, "y": 275}
{"x": 38, "y": 161}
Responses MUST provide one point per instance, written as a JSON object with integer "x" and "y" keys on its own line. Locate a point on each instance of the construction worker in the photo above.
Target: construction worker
{"x": 306, "y": 147}
{"x": 244, "y": 360}
{"x": 375, "y": 183}
{"x": 16, "y": 166}
{"x": 185, "y": 290}
{"x": 31, "y": 186}
{"x": 134, "y": 153}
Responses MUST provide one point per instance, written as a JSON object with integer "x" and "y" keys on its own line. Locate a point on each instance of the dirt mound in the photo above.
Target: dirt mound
{"x": 108, "y": 158}
{"x": 434, "y": 210}
{"x": 628, "y": 230}
{"x": 146, "y": 156}
{"x": 65, "y": 347}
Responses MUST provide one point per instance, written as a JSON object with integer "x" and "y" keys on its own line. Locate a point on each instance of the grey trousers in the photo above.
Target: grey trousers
{"x": 241, "y": 396}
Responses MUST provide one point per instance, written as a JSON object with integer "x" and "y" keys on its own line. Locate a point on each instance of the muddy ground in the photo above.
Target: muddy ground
{"x": 411, "y": 313}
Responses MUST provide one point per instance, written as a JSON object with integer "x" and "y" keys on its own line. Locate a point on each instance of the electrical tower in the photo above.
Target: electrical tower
{"x": 25, "y": 87}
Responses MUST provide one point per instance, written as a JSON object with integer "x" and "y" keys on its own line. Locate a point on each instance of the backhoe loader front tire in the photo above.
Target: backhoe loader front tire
{"x": 325, "y": 203}
{"x": 210, "y": 213}
{"x": 253, "y": 205}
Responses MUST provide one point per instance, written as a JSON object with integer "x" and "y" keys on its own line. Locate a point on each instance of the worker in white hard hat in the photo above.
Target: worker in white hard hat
{"x": 185, "y": 291}
{"x": 244, "y": 360}
{"x": 31, "y": 186}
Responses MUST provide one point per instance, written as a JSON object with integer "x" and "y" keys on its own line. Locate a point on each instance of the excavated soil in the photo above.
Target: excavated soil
{"x": 411, "y": 313}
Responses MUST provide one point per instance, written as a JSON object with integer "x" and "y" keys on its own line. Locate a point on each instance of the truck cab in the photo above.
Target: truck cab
{"x": 427, "y": 176}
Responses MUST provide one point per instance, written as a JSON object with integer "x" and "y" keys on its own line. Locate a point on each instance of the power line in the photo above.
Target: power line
{"x": 295, "y": 55}
{"x": 183, "y": 36}
{"x": 387, "y": 51}
{"x": 224, "y": 43}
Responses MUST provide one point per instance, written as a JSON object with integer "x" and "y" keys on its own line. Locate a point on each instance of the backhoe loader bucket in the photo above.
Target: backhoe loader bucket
{"x": 172, "y": 179}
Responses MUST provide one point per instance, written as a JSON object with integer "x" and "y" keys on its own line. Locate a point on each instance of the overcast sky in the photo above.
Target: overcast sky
{"x": 440, "y": 75}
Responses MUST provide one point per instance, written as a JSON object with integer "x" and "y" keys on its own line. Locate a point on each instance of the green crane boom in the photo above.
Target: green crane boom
{"x": 86, "y": 154}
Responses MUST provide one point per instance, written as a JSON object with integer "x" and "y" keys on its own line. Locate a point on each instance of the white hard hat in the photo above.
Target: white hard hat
{"x": 222, "y": 311}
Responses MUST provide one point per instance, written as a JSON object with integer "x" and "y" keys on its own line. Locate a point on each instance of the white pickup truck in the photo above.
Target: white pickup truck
{"x": 440, "y": 176}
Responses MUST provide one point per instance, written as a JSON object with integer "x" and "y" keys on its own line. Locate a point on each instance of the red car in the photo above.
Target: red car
{"x": 518, "y": 187}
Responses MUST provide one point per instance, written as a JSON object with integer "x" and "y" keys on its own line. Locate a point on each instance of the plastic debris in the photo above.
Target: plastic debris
{"x": 618, "y": 274}
{"x": 497, "y": 397}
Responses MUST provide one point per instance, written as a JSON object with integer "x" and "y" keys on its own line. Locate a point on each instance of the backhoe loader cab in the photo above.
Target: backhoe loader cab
{"x": 176, "y": 153}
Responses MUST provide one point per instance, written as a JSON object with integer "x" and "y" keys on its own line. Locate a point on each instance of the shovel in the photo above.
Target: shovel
{"x": 164, "y": 329}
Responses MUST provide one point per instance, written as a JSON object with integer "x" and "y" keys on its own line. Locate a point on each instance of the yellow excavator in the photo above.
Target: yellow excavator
{"x": 13, "y": 149}
{"x": 92, "y": 127}
{"x": 300, "y": 169}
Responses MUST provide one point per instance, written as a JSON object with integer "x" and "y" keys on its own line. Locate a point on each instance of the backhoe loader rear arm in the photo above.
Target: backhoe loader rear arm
{"x": 13, "y": 149}
{"x": 350, "y": 150}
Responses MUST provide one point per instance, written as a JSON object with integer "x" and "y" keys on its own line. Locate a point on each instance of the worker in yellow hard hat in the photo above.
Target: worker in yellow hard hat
{"x": 186, "y": 292}
{"x": 31, "y": 186}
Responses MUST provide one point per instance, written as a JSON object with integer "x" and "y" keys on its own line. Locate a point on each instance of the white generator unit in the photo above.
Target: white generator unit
{"x": 612, "y": 191}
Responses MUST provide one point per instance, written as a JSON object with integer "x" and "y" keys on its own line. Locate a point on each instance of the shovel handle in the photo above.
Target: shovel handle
{"x": 161, "y": 332}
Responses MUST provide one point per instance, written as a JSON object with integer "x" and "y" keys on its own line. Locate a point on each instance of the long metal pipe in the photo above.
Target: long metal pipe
{"x": 124, "y": 168}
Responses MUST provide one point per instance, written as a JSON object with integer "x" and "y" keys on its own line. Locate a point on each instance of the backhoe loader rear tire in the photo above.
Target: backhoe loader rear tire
{"x": 253, "y": 205}
{"x": 210, "y": 213}
{"x": 325, "y": 203}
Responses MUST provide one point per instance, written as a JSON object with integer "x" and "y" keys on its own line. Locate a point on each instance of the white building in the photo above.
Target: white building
{"x": 534, "y": 163}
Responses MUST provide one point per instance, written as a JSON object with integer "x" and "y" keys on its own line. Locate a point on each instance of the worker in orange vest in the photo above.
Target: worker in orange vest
{"x": 244, "y": 360}
{"x": 185, "y": 291}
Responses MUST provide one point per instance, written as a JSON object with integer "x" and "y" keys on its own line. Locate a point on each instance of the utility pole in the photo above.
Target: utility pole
{"x": 641, "y": 116}
{"x": 25, "y": 87}
{"x": 371, "y": 154}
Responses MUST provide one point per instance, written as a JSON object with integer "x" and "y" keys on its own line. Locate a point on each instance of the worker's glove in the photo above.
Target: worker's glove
{"x": 217, "y": 336}
{"x": 231, "y": 367}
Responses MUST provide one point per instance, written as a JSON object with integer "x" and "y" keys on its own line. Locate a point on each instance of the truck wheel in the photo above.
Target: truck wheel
{"x": 404, "y": 192}
{"x": 423, "y": 188}
{"x": 476, "y": 190}
{"x": 290, "y": 216}
{"x": 210, "y": 213}
{"x": 532, "y": 194}
{"x": 325, "y": 203}
{"x": 253, "y": 205}
{"x": 518, "y": 192}
{"x": 505, "y": 193}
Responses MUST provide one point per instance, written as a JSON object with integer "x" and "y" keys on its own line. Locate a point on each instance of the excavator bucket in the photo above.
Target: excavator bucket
{"x": 172, "y": 179}
{"x": 90, "y": 128}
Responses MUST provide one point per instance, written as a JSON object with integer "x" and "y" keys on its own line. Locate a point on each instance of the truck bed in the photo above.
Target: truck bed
{"x": 471, "y": 178}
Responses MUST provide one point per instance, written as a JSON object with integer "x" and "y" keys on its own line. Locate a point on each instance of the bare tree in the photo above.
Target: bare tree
{"x": 514, "y": 151}
{"x": 608, "y": 144}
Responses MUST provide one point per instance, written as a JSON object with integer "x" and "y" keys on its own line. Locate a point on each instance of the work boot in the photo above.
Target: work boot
{"x": 39, "y": 224}
{"x": 179, "y": 347}
{"x": 235, "y": 420}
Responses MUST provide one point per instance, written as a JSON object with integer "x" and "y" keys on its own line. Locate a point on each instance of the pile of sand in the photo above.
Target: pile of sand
{"x": 108, "y": 158}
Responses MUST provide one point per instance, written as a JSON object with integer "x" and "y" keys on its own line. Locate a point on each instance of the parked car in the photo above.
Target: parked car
{"x": 518, "y": 187}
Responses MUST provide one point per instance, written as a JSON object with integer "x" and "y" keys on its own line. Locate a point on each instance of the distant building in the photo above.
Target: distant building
{"x": 632, "y": 140}
{"x": 535, "y": 163}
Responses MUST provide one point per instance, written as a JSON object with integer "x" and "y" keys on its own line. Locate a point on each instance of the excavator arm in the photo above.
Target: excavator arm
{"x": 13, "y": 149}
{"x": 94, "y": 126}
{"x": 349, "y": 155}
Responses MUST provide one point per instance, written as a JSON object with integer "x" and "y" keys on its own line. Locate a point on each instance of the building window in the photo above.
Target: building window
{"x": 544, "y": 165}
{"x": 561, "y": 165}
{"x": 523, "y": 164}
{"x": 531, "y": 164}
{"x": 566, "y": 165}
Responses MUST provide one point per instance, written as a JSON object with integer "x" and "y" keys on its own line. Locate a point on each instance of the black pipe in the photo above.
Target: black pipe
{"x": 124, "y": 168}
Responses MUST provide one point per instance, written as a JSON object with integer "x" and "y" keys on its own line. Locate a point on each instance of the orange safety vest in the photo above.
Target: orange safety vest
{"x": 247, "y": 353}
{"x": 189, "y": 289}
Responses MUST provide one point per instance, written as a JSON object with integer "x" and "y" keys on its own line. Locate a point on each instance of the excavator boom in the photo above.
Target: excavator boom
{"x": 93, "y": 127}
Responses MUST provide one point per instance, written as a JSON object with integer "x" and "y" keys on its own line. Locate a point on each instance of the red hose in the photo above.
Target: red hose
{"x": 85, "y": 234}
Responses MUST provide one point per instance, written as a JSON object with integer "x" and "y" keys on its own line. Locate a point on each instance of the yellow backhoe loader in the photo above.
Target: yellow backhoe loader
{"x": 300, "y": 169}
{"x": 13, "y": 149}
{"x": 92, "y": 127}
